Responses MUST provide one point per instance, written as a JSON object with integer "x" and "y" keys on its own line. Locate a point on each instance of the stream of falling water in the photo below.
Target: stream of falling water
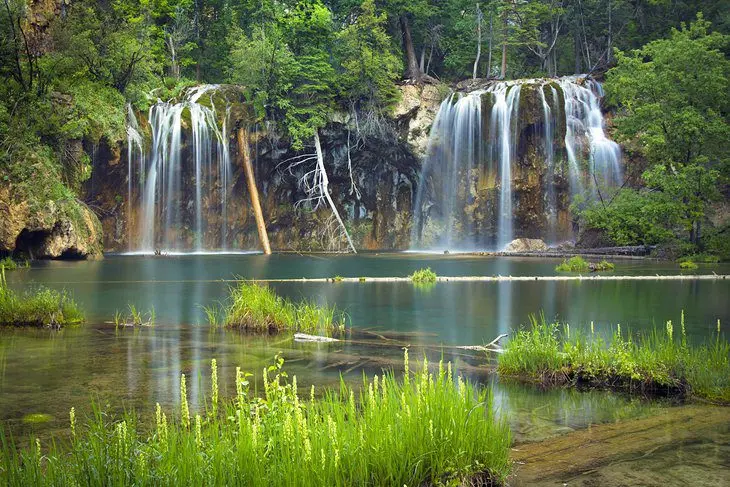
{"x": 473, "y": 148}
{"x": 167, "y": 220}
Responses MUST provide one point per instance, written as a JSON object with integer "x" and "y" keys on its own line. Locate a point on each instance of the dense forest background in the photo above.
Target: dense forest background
{"x": 70, "y": 68}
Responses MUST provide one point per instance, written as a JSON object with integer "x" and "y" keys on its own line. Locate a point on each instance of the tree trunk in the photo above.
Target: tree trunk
{"x": 577, "y": 50}
{"x": 326, "y": 191}
{"x": 503, "y": 71}
{"x": 252, "y": 189}
{"x": 479, "y": 42}
{"x": 422, "y": 65}
{"x": 412, "y": 71}
{"x": 489, "y": 56}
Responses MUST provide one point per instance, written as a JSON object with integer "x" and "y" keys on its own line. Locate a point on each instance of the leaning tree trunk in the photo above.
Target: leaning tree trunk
{"x": 413, "y": 71}
{"x": 326, "y": 191}
{"x": 252, "y": 189}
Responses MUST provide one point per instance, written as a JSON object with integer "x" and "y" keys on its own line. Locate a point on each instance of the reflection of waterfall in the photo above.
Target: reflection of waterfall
{"x": 505, "y": 161}
{"x": 188, "y": 155}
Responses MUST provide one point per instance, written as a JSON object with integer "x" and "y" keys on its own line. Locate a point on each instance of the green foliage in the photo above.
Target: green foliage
{"x": 574, "y": 264}
{"x": 657, "y": 361}
{"x": 424, "y": 276}
{"x": 251, "y": 307}
{"x": 41, "y": 307}
{"x": 671, "y": 206}
{"x": 369, "y": 67}
{"x": 421, "y": 429}
{"x": 10, "y": 264}
{"x": 688, "y": 265}
{"x": 604, "y": 265}
{"x": 703, "y": 258}
{"x": 675, "y": 97}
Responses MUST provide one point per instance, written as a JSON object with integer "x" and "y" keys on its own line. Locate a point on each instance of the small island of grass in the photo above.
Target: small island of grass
{"x": 424, "y": 276}
{"x": 657, "y": 363}
{"x": 41, "y": 307}
{"x": 579, "y": 264}
{"x": 257, "y": 308}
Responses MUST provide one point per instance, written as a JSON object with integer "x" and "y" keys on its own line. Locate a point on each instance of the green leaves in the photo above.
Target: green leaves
{"x": 673, "y": 94}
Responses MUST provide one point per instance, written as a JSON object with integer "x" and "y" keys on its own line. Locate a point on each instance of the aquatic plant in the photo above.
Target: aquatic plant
{"x": 424, "y": 276}
{"x": 574, "y": 264}
{"x": 135, "y": 317}
{"x": 702, "y": 258}
{"x": 337, "y": 279}
{"x": 604, "y": 265}
{"x": 40, "y": 307}
{"x": 423, "y": 428}
{"x": 253, "y": 307}
{"x": 688, "y": 265}
{"x": 658, "y": 362}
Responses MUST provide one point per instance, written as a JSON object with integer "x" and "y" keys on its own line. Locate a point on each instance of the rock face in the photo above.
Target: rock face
{"x": 526, "y": 245}
{"x": 376, "y": 202}
{"x": 63, "y": 229}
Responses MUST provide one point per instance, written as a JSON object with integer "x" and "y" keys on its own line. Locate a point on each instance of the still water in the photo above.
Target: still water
{"x": 45, "y": 372}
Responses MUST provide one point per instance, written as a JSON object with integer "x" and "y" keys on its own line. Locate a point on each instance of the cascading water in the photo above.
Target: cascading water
{"x": 504, "y": 115}
{"x": 486, "y": 152}
{"x": 584, "y": 132}
{"x": 168, "y": 220}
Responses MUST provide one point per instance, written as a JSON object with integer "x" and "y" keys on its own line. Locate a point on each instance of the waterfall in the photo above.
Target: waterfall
{"x": 187, "y": 157}
{"x": 585, "y": 134}
{"x": 504, "y": 116}
{"x": 455, "y": 147}
{"x": 482, "y": 142}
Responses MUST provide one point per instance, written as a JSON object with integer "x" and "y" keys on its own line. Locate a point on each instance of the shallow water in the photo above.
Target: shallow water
{"x": 48, "y": 372}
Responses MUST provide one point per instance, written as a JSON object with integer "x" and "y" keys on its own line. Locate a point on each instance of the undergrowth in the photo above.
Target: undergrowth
{"x": 419, "y": 429}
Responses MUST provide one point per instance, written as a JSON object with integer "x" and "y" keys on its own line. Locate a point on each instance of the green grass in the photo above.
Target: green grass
{"x": 424, "y": 276}
{"x": 574, "y": 264}
{"x": 337, "y": 279}
{"x": 9, "y": 264}
{"x": 688, "y": 265}
{"x": 423, "y": 428}
{"x": 134, "y": 317}
{"x": 604, "y": 265}
{"x": 659, "y": 362}
{"x": 701, "y": 258}
{"x": 37, "y": 308}
{"x": 252, "y": 307}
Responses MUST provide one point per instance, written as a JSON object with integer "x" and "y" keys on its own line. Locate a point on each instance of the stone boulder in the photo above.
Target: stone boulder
{"x": 57, "y": 229}
{"x": 526, "y": 245}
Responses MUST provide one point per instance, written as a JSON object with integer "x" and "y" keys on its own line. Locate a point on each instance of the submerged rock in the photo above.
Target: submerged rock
{"x": 526, "y": 245}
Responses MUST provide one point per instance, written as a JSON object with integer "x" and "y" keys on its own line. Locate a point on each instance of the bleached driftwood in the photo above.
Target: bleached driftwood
{"x": 303, "y": 337}
{"x": 489, "y": 347}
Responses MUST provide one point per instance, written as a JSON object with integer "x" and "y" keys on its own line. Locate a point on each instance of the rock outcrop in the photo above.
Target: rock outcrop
{"x": 526, "y": 245}
{"x": 53, "y": 229}
{"x": 375, "y": 199}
